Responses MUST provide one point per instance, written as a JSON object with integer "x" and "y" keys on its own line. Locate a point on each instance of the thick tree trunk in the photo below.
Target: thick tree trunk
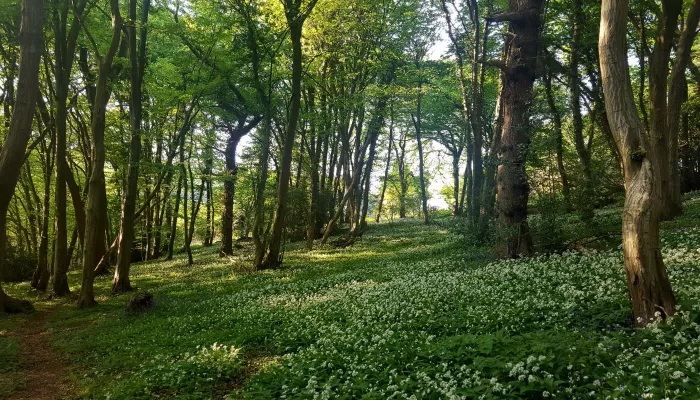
{"x": 649, "y": 287}
{"x": 13, "y": 149}
{"x": 518, "y": 77}
{"x": 658, "y": 105}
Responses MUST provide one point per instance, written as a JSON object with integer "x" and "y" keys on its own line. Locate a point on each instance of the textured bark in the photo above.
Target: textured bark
{"x": 137, "y": 64}
{"x": 518, "y": 78}
{"x": 649, "y": 287}
{"x": 13, "y": 149}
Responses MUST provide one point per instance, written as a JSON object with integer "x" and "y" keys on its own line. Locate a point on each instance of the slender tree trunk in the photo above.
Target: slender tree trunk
{"x": 556, "y": 118}
{"x": 574, "y": 84}
{"x": 295, "y": 20}
{"x": 649, "y": 287}
{"x": 95, "y": 223}
{"x": 137, "y": 64}
{"x": 676, "y": 97}
{"x": 385, "y": 179}
{"x": 401, "y": 158}
{"x": 374, "y": 129}
{"x": 176, "y": 211}
{"x": 186, "y": 216}
{"x": 229, "y": 191}
{"x": 489, "y": 192}
{"x": 13, "y": 149}
{"x": 419, "y": 140}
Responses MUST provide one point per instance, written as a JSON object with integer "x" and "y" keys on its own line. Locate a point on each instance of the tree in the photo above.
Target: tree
{"x": 96, "y": 223}
{"x": 137, "y": 65}
{"x": 648, "y": 284}
{"x": 12, "y": 154}
{"x": 295, "y": 16}
{"x": 519, "y": 72}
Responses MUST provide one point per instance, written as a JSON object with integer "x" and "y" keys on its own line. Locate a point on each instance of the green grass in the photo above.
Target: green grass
{"x": 408, "y": 311}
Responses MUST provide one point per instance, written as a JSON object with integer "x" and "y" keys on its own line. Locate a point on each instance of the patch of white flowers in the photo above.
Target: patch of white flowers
{"x": 405, "y": 315}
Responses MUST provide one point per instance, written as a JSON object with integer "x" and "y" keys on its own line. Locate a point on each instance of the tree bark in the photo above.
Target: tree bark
{"x": 13, "y": 149}
{"x": 137, "y": 64}
{"x": 295, "y": 21}
{"x": 95, "y": 222}
{"x": 519, "y": 74}
{"x": 649, "y": 287}
{"x": 676, "y": 98}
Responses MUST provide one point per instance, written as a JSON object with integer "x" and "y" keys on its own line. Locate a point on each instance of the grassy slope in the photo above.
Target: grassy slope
{"x": 409, "y": 310}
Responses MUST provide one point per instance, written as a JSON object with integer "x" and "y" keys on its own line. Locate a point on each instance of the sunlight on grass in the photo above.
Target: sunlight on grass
{"x": 408, "y": 310}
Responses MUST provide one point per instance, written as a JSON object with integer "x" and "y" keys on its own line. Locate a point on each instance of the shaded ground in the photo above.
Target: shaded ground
{"x": 44, "y": 372}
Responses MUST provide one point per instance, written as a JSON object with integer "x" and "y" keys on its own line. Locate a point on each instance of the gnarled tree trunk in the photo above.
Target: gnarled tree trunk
{"x": 649, "y": 287}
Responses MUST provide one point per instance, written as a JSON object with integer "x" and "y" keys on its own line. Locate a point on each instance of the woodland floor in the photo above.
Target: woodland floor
{"x": 409, "y": 311}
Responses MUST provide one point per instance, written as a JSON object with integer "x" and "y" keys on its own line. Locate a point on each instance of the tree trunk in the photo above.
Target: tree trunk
{"x": 40, "y": 278}
{"x": 556, "y": 119}
{"x": 13, "y": 149}
{"x": 417, "y": 123}
{"x": 95, "y": 223}
{"x": 380, "y": 201}
{"x": 295, "y": 21}
{"x": 574, "y": 82}
{"x": 230, "y": 190}
{"x": 518, "y": 78}
{"x": 137, "y": 65}
{"x": 649, "y": 287}
{"x": 489, "y": 192}
{"x": 676, "y": 98}
{"x": 176, "y": 211}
